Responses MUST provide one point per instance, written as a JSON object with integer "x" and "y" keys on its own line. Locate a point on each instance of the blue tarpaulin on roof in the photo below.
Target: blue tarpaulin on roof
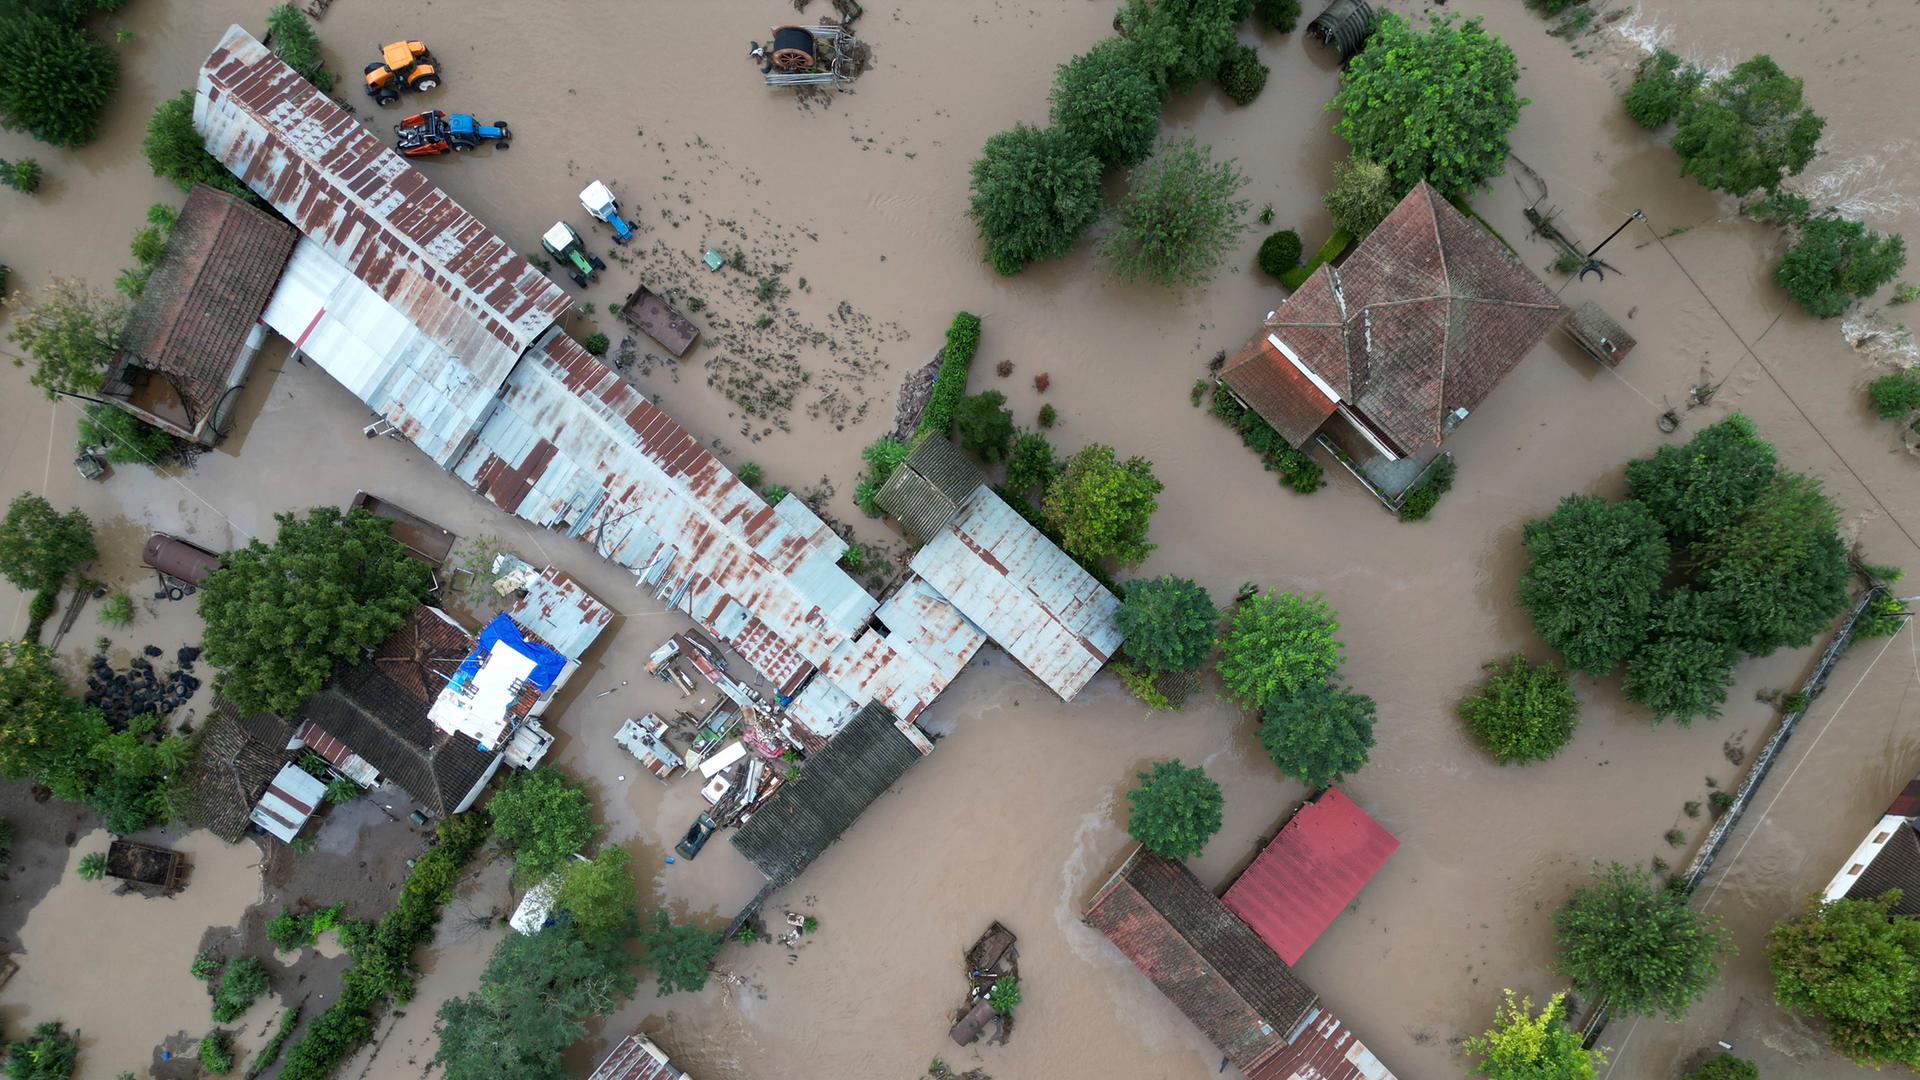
{"x": 547, "y": 664}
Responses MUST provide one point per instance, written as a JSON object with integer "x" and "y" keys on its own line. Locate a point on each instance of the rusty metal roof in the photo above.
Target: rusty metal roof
{"x": 560, "y": 612}
{"x": 376, "y": 215}
{"x": 1026, "y": 594}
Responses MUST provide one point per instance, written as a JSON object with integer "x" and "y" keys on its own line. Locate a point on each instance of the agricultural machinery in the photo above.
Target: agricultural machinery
{"x": 436, "y": 132}
{"x": 403, "y": 65}
{"x": 564, "y": 245}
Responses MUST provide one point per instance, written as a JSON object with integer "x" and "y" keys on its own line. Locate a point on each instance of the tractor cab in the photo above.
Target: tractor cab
{"x": 564, "y": 245}
{"x": 403, "y": 65}
{"x": 598, "y": 200}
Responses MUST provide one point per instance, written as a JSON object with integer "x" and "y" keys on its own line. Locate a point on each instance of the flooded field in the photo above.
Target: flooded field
{"x": 1019, "y": 813}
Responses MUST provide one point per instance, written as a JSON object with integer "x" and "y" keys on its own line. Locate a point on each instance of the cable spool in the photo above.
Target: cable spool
{"x": 793, "y": 49}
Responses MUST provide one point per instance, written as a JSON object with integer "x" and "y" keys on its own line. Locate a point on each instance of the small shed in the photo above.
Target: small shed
{"x": 926, "y": 490}
{"x": 1598, "y": 334}
{"x": 289, "y": 801}
{"x": 1345, "y": 25}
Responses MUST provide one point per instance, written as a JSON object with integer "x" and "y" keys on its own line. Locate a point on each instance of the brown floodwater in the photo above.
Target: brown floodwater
{"x": 1018, "y": 815}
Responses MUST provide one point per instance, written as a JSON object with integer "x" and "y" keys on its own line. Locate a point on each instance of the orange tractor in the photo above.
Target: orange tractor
{"x": 403, "y": 65}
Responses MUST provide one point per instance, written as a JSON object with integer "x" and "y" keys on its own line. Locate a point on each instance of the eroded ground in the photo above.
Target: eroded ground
{"x": 1015, "y": 816}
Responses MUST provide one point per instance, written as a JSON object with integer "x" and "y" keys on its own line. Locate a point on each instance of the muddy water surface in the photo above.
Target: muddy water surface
{"x": 1019, "y": 814}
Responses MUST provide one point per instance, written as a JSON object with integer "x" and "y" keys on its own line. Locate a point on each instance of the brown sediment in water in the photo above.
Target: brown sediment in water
{"x": 1020, "y": 812}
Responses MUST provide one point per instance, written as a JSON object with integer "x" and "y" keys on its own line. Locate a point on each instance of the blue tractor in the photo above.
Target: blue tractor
{"x": 436, "y": 132}
{"x": 599, "y": 201}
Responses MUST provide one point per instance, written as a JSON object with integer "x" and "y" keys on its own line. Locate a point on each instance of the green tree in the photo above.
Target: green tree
{"x": 56, "y": 77}
{"x": 1005, "y": 996}
{"x": 1856, "y": 965}
{"x": 535, "y": 997}
{"x": 296, "y": 43}
{"x": 1748, "y": 130}
{"x": 71, "y": 334}
{"x": 1522, "y": 712}
{"x": 1434, "y": 106}
{"x": 1279, "y": 253}
{"x": 1680, "y": 678}
{"x": 1895, "y": 395}
{"x": 1035, "y": 190}
{"x": 45, "y": 734}
{"x": 680, "y": 955}
{"x": 1641, "y": 946}
{"x": 1662, "y": 85}
{"x": 1278, "y": 15}
{"x": 279, "y": 619}
{"x": 598, "y": 896}
{"x": 984, "y": 424}
{"x": 1777, "y": 574}
{"x": 1180, "y": 217}
{"x": 241, "y": 984}
{"x": 1107, "y": 103}
{"x": 129, "y": 440}
{"x": 1102, "y": 506}
{"x": 1522, "y": 1046}
{"x": 1241, "y": 75}
{"x": 1177, "y": 42}
{"x": 1724, "y": 1066}
{"x": 1835, "y": 261}
{"x": 1175, "y": 810}
{"x": 40, "y": 547}
{"x": 174, "y": 150}
{"x": 50, "y": 1054}
{"x": 1697, "y": 489}
{"x": 1592, "y": 573}
{"x": 1277, "y": 644}
{"x": 1363, "y": 194}
{"x": 1031, "y": 464}
{"x": 215, "y": 1056}
{"x": 543, "y": 817}
{"x": 1319, "y": 734}
{"x": 1168, "y": 623}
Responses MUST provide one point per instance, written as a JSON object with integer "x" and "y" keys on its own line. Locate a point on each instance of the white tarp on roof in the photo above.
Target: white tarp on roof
{"x": 478, "y": 709}
{"x": 290, "y": 800}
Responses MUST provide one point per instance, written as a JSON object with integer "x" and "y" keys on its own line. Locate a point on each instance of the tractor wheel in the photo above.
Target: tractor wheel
{"x": 594, "y": 261}
{"x": 504, "y": 144}
{"x": 427, "y": 83}
{"x": 462, "y": 145}
{"x": 579, "y": 278}
{"x": 371, "y": 68}
{"x": 385, "y": 98}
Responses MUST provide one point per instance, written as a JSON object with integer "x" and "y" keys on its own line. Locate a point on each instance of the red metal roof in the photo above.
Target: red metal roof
{"x": 1320, "y": 861}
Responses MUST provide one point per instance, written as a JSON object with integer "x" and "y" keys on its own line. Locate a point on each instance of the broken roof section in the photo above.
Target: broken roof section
{"x": 1203, "y": 958}
{"x": 926, "y": 490}
{"x": 559, "y": 611}
{"x": 1424, "y": 318}
{"x": 806, "y": 814}
{"x": 467, "y": 295}
{"x": 1306, "y": 877}
{"x": 1030, "y": 597}
{"x": 191, "y": 326}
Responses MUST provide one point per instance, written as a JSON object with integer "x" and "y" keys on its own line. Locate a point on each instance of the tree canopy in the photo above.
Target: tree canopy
{"x": 50, "y": 1053}
{"x": 1168, "y": 623}
{"x": 1434, "y": 106}
{"x": 1662, "y": 84}
{"x": 1179, "y": 218}
{"x": 1680, "y": 678}
{"x": 56, "y": 77}
{"x": 1175, "y": 810}
{"x": 598, "y": 895}
{"x": 1778, "y": 573}
{"x": 295, "y": 42}
{"x": 1522, "y": 712}
{"x": 1835, "y": 261}
{"x": 1523, "y": 1046}
{"x": 40, "y": 546}
{"x": 680, "y": 955}
{"x": 1749, "y": 130}
{"x": 1030, "y": 465}
{"x": 535, "y": 997}
{"x": 1277, "y": 643}
{"x": 543, "y": 817}
{"x": 1035, "y": 190}
{"x": 1363, "y": 194}
{"x": 1724, "y": 1066}
{"x": 1856, "y": 965}
{"x": 1107, "y": 103}
{"x": 71, "y": 334}
{"x": 175, "y": 151}
{"x": 58, "y": 740}
{"x": 1593, "y": 570}
{"x": 1177, "y": 42}
{"x": 1319, "y": 734}
{"x": 1698, "y": 488}
{"x": 984, "y": 424}
{"x": 1640, "y": 945}
{"x": 1101, "y": 506}
{"x": 279, "y": 619}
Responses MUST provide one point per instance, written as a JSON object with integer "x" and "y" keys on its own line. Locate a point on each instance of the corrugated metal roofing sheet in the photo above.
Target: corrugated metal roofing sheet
{"x": 468, "y": 293}
{"x": 1028, "y": 595}
{"x": 290, "y": 799}
{"x": 561, "y": 612}
{"x": 636, "y": 1058}
{"x": 1301, "y": 882}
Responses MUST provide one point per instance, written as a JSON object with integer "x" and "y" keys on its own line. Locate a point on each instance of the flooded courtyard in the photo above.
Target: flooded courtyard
{"x": 855, "y": 201}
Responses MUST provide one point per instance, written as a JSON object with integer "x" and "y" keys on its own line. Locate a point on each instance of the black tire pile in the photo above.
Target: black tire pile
{"x": 140, "y": 690}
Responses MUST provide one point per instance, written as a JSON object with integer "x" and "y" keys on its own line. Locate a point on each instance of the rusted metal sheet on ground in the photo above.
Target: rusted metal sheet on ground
{"x": 1024, "y": 592}
{"x": 409, "y": 242}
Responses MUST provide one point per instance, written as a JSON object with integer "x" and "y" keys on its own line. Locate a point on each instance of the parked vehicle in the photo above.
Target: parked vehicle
{"x": 403, "y": 65}
{"x": 435, "y": 132}
{"x": 565, "y": 246}
{"x": 696, "y": 838}
{"x": 659, "y": 320}
{"x": 598, "y": 200}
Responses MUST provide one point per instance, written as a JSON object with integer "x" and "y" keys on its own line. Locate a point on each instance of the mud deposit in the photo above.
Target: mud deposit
{"x": 1019, "y": 814}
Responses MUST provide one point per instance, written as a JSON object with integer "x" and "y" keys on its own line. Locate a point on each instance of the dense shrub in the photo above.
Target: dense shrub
{"x": 1593, "y": 569}
{"x": 1522, "y": 712}
{"x": 1031, "y": 464}
{"x": 1279, "y": 252}
{"x": 240, "y": 985}
{"x": 1643, "y": 948}
{"x": 1328, "y": 251}
{"x": 984, "y": 424}
{"x": 22, "y": 176}
{"x": 1834, "y": 261}
{"x": 1241, "y": 76}
{"x": 1418, "y": 503}
{"x": 1895, "y": 395}
{"x": 1522, "y": 1046}
{"x": 215, "y": 1057}
{"x": 1661, "y": 86}
{"x": 882, "y": 456}
{"x": 1724, "y": 1066}
{"x": 49, "y": 1054}
{"x": 296, "y": 43}
{"x": 596, "y": 343}
{"x": 1278, "y": 15}
{"x": 129, "y": 440}
{"x": 1363, "y": 194}
{"x": 1106, "y": 103}
{"x": 1175, "y": 810}
{"x": 55, "y": 76}
{"x": 1035, "y": 190}
{"x": 174, "y": 149}
{"x": 963, "y": 338}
